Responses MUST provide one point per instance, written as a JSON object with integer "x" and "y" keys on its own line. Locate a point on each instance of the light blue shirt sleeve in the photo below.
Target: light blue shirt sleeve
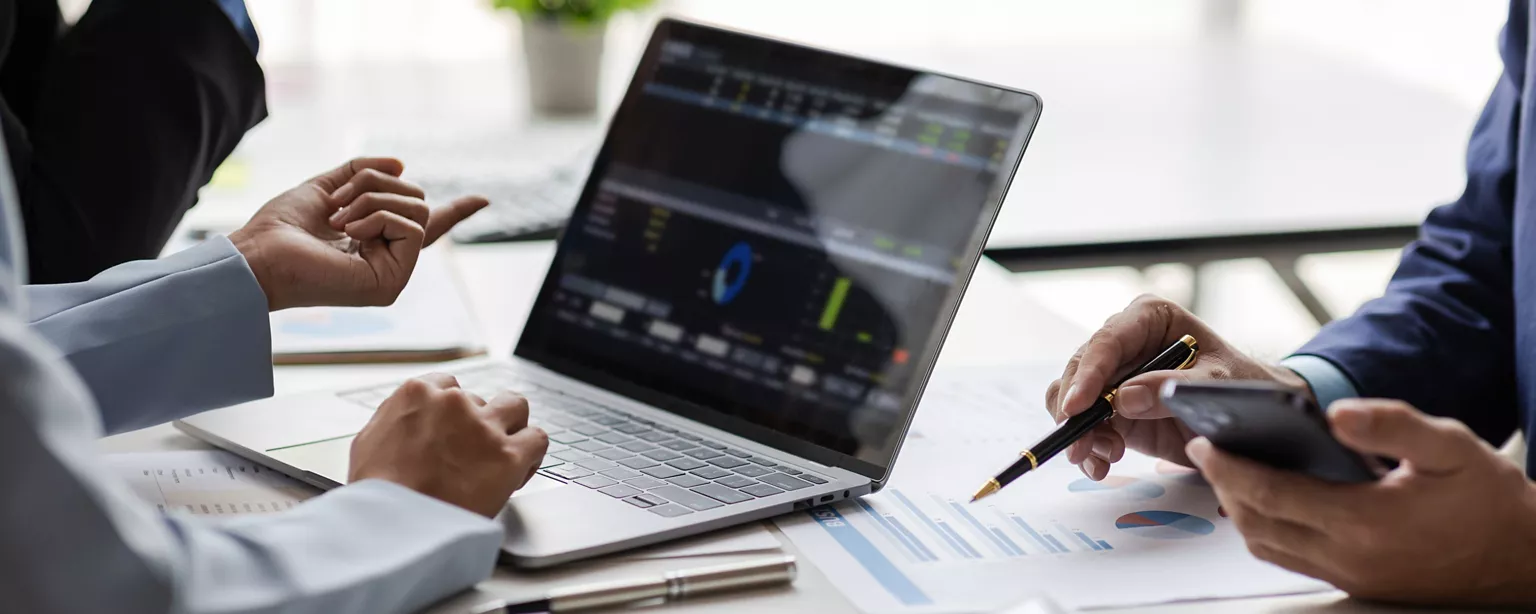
{"x": 1328, "y": 382}
{"x": 157, "y": 340}
{"x": 73, "y": 538}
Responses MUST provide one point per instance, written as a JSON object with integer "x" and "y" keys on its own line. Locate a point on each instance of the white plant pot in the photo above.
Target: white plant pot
{"x": 564, "y": 63}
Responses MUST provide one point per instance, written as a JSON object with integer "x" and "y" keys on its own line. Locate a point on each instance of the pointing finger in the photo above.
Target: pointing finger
{"x": 444, "y": 218}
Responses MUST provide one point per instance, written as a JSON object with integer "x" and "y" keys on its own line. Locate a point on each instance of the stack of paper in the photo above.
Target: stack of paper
{"x": 208, "y": 482}
{"x": 430, "y": 321}
{"x": 1150, "y": 533}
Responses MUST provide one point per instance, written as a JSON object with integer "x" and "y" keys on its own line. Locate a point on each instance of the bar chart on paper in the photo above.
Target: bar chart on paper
{"x": 920, "y": 545}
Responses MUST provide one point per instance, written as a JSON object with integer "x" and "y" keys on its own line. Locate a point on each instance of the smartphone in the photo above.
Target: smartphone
{"x": 1271, "y": 424}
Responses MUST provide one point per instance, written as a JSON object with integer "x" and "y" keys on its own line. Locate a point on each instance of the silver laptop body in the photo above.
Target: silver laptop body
{"x": 744, "y": 308}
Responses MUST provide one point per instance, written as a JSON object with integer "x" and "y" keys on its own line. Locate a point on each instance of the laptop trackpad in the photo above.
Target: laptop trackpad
{"x": 330, "y": 460}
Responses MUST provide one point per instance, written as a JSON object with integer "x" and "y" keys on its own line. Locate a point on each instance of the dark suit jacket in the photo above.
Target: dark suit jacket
{"x": 115, "y": 123}
{"x": 1455, "y": 333}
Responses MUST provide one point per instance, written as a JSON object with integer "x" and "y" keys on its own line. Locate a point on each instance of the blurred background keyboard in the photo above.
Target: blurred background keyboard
{"x": 520, "y": 210}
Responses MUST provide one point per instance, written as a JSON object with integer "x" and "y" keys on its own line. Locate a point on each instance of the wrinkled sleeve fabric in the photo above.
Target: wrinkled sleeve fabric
{"x": 73, "y": 539}
{"x": 1442, "y": 336}
{"x": 158, "y": 340}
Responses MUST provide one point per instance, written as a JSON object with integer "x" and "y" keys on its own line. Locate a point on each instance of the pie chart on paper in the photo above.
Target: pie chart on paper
{"x": 1159, "y": 524}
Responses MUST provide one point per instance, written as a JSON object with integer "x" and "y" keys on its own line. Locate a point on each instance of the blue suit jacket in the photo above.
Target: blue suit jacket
{"x": 1455, "y": 332}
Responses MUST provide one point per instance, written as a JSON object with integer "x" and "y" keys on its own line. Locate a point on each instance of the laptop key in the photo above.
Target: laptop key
{"x": 710, "y": 473}
{"x": 550, "y": 461}
{"x": 753, "y": 471}
{"x": 637, "y": 502}
{"x": 737, "y": 453}
{"x": 568, "y": 472}
{"x": 721, "y": 493}
{"x": 638, "y": 462}
{"x": 614, "y": 454}
{"x": 760, "y": 490}
{"x": 687, "y": 498}
{"x": 596, "y": 464}
{"x": 677, "y": 444}
{"x": 567, "y": 438}
{"x": 563, "y": 420}
{"x": 637, "y": 447}
{"x": 571, "y": 456}
{"x": 670, "y": 510}
{"x": 556, "y": 447}
{"x": 619, "y": 491}
{"x": 790, "y": 470}
{"x": 589, "y": 429}
{"x": 609, "y": 420}
{"x": 703, "y": 453}
{"x": 620, "y": 473}
{"x": 590, "y": 445}
{"x": 613, "y": 439}
{"x": 653, "y": 436}
{"x": 661, "y": 455}
{"x": 596, "y": 481}
{"x": 689, "y": 436}
{"x": 812, "y": 478}
{"x": 712, "y": 444}
{"x": 786, "y": 482}
{"x": 735, "y": 481}
{"x": 644, "y": 483}
{"x": 686, "y": 464}
{"x": 763, "y": 461}
{"x": 661, "y": 472}
{"x": 727, "y": 462}
{"x": 688, "y": 481}
{"x": 631, "y": 428}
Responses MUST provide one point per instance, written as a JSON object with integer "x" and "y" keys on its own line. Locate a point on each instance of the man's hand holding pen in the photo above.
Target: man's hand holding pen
{"x": 1141, "y": 422}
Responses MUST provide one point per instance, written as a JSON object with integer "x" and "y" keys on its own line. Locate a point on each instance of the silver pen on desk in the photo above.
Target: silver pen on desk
{"x": 672, "y": 586}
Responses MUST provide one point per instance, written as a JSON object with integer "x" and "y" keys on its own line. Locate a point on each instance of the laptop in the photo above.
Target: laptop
{"x": 742, "y": 313}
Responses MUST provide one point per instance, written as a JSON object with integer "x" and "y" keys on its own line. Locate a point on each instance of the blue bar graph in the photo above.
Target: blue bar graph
{"x": 932, "y": 526}
{"x": 898, "y": 533}
{"x": 862, "y": 550}
{"x": 1013, "y": 548}
{"x": 928, "y": 555}
{"x": 1105, "y": 545}
{"x": 993, "y": 534}
{"x": 1057, "y": 544}
{"x": 965, "y": 547}
{"x": 1084, "y": 536}
{"x": 1044, "y": 545}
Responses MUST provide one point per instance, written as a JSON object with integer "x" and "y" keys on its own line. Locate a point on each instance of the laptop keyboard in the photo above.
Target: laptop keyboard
{"x": 652, "y": 466}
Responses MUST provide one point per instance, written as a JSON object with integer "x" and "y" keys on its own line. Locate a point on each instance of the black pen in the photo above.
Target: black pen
{"x": 1180, "y": 355}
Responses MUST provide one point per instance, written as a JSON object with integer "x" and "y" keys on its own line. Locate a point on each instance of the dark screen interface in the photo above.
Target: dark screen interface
{"x": 775, "y": 232}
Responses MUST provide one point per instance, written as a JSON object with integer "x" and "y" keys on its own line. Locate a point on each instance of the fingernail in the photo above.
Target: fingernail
{"x": 1134, "y": 400}
{"x": 1101, "y": 447}
{"x": 1197, "y": 450}
{"x": 337, "y": 215}
{"x": 1092, "y": 465}
{"x": 1083, "y": 467}
{"x": 1071, "y": 394}
{"x": 1221, "y": 511}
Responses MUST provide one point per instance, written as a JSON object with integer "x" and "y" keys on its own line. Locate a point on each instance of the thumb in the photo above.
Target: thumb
{"x": 444, "y": 218}
{"x": 1395, "y": 429}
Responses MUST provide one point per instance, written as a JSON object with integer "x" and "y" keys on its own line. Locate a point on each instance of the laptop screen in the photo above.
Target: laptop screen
{"x": 774, "y": 239}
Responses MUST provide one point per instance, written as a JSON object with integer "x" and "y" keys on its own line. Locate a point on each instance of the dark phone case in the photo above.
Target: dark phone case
{"x": 1269, "y": 424}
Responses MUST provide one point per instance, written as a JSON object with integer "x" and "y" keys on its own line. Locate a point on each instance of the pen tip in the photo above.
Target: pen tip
{"x": 986, "y": 490}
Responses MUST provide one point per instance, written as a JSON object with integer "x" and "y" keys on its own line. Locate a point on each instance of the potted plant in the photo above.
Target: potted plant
{"x": 563, "y": 46}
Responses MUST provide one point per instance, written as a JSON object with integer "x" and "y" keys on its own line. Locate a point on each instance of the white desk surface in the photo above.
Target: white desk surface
{"x": 995, "y": 325}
